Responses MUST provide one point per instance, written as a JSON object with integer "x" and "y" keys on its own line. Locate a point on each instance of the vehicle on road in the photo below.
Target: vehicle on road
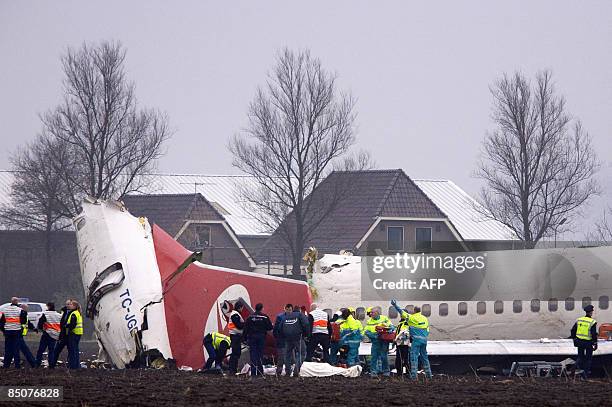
{"x": 35, "y": 309}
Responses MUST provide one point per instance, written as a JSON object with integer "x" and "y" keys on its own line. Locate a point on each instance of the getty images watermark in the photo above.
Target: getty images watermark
{"x": 500, "y": 274}
{"x": 421, "y": 275}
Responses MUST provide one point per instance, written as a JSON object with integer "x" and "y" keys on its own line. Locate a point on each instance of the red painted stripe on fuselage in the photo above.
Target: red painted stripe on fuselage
{"x": 195, "y": 292}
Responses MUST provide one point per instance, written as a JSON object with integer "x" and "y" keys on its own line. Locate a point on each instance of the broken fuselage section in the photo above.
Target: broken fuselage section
{"x": 151, "y": 298}
{"x": 122, "y": 283}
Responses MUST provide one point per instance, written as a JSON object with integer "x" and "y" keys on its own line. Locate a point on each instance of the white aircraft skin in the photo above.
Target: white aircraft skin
{"x": 485, "y": 324}
{"x": 107, "y": 234}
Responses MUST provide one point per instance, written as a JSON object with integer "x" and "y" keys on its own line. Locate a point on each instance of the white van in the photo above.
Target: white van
{"x": 35, "y": 310}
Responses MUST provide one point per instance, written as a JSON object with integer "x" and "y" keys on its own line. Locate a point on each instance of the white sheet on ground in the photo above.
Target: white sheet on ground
{"x": 268, "y": 371}
{"x": 312, "y": 369}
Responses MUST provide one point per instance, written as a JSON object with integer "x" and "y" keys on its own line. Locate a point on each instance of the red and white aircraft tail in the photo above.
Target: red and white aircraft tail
{"x": 147, "y": 294}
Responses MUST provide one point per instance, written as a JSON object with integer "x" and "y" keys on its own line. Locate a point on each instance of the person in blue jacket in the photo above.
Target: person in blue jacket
{"x": 280, "y": 340}
{"x": 351, "y": 333}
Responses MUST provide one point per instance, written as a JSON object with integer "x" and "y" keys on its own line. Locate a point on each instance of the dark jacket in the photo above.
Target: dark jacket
{"x": 64, "y": 322}
{"x": 294, "y": 326}
{"x": 257, "y": 324}
{"x": 41, "y": 322}
{"x": 237, "y": 321}
{"x": 23, "y": 318}
{"x": 277, "y": 331}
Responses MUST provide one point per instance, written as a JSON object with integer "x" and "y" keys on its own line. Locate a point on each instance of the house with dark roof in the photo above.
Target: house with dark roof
{"x": 381, "y": 209}
{"x": 27, "y": 270}
{"x": 385, "y": 211}
{"x": 195, "y": 223}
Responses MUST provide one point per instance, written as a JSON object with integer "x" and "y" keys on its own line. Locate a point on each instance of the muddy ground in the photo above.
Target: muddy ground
{"x": 96, "y": 387}
{"x": 102, "y": 387}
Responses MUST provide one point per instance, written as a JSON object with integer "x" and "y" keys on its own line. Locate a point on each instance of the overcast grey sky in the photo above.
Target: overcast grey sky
{"x": 420, "y": 71}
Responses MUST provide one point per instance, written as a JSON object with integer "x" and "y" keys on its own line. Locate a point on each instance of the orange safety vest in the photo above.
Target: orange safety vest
{"x": 231, "y": 326}
{"x": 319, "y": 324}
{"x": 12, "y": 318}
{"x": 52, "y": 324}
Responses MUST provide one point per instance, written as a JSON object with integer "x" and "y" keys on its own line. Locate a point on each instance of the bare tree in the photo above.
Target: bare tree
{"x": 538, "y": 163}
{"x": 108, "y": 141}
{"x": 36, "y": 196}
{"x": 300, "y": 129}
{"x": 603, "y": 229}
{"x": 36, "y": 192}
{"x": 96, "y": 142}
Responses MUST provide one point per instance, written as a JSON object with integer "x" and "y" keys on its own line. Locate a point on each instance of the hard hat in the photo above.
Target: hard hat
{"x": 368, "y": 310}
{"x": 588, "y": 308}
{"x": 351, "y": 309}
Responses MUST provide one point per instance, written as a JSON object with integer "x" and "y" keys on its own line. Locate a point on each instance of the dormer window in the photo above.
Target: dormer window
{"x": 202, "y": 237}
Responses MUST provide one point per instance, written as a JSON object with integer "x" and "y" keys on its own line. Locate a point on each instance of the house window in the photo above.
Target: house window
{"x": 395, "y": 238}
{"x": 423, "y": 239}
{"x": 392, "y": 312}
{"x": 360, "y": 311}
{"x": 202, "y": 237}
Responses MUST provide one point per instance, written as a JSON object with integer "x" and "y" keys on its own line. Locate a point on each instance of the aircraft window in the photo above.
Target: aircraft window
{"x": 553, "y": 305}
{"x": 360, "y": 312}
{"x": 569, "y": 304}
{"x": 329, "y": 312}
{"x": 392, "y": 312}
{"x": 409, "y": 308}
{"x": 586, "y": 301}
{"x": 517, "y": 306}
{"x": 462, "y": 308}
{"x": 604, "y": 302}
{"x": 443, "y": 310}
{"x": 535, "y": 305}
{"x": 498, "y": 307}
{"x": 426, "y": 310}
{"x": 481, "y": 307}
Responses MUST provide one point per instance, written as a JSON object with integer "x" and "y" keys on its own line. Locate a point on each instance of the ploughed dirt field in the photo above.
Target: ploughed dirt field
{"x": 104, "y": 387}
{"x": 98, "y": 387}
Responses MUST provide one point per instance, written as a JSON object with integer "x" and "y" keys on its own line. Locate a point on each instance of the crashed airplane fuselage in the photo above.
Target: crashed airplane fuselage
{"x": 149, "y": 296}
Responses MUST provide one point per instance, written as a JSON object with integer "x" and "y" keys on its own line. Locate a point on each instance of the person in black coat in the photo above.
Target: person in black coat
{"x": 256, "y": 328}
{"x": 294, "y": 329}
{"x": 280, "y": 340}
{"x": 62, "y": 341}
